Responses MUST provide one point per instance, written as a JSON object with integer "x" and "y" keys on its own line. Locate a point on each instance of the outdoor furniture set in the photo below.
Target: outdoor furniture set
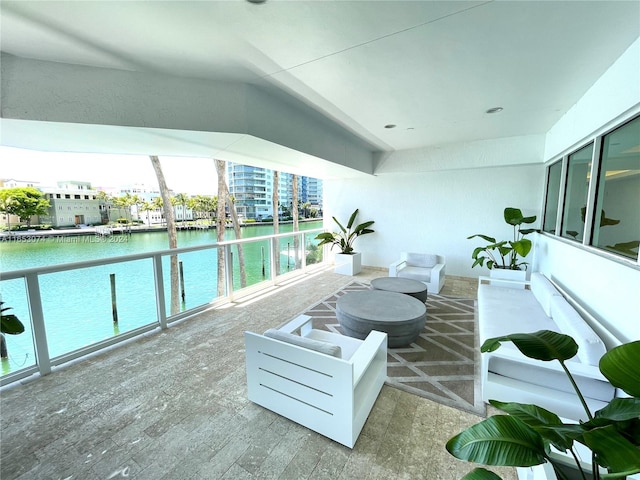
{"x": 326, "y": 381}
{"x": 329, "y": 382}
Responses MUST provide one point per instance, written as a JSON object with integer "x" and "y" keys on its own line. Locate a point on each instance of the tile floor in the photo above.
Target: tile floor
{"x": 172, "y": 406}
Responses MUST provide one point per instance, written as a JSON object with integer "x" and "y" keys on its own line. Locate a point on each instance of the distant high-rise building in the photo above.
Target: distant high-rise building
{"x": 314, "y": 192}
{"x": 252, "y": 188}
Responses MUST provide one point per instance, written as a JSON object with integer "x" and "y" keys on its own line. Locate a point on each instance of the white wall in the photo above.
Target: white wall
{"x": 615, "y": 94}
{"x": 430, "y": 200}
{"x": 608, "y": 289}
{"x": 434, "y": 212}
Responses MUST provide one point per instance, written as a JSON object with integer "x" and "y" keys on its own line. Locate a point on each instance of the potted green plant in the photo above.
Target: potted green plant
{"x": 506, "y": 254}
{"x": 347, "y": 261}
{"x": 505, "y": 258}
{"x": 523, "y": 437}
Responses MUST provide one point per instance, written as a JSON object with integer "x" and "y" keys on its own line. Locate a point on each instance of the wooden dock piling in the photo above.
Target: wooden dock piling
{"x": 114, "y": 303}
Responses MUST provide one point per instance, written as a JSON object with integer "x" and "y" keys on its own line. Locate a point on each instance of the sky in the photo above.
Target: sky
{"x": 183, "y": 175}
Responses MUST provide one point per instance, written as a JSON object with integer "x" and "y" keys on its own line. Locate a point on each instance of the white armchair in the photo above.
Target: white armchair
{"x": 325, "y": 381}
{"x": 424, "y": 267}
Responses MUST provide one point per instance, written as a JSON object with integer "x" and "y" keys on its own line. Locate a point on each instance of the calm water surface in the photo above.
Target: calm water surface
{"x": 77, "y": 304}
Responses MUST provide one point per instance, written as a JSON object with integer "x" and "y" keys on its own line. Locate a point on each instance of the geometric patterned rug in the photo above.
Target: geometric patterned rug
{"x": 442, "y": 365}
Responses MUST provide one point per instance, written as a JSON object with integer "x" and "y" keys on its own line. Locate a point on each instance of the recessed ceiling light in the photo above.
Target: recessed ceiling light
{"x": 391, "y": 125}
{"x": 494, "y": 110}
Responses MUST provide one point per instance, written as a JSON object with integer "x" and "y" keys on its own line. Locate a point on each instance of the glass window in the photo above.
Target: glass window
{"x": 617, "y": 216}
{"x": 575, "y": 197}
{"x": 553, "y": 197}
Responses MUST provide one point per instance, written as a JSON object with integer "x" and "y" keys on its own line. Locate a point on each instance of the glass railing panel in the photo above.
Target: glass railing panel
{"x": 79, "y": 309}
{"x": 290, "y": 251}
{"x": 197, "y": 276}
{"x": 313, "y": 253}
{"x": 19, "y": 348}
{"x": 77, "y": 304}
{"x": 257, "y": 263}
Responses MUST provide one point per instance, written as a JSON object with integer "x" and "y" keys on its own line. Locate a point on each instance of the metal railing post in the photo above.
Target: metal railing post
{"x": 37, "y": 321}
{"x": 161, "y": 307}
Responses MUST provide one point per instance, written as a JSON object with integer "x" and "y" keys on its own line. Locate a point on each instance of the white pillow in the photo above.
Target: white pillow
{"x": 315, "y": 345}
{"x": 543, "y": 290}
{"x": 424, "y": 260}
{"x": 590, "y": 346}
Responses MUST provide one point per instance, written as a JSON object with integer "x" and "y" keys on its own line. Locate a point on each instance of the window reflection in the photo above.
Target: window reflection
{"x": 553, "y": 196}
{"x": 617, "y": 212}
{"x": 575, "y": 199}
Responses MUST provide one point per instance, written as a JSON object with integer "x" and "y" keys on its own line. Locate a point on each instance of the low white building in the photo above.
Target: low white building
{"x": 71, "y": 203}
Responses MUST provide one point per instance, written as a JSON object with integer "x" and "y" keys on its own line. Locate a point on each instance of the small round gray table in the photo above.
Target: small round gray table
{"x": 402, "y": 317}
{"x": 401, "y": 285}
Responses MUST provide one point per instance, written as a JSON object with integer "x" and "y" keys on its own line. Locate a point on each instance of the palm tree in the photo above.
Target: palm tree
{"x": 157, "y": 205}
{"x": 194, "y": 204}
{"x": 305, "y": 209}
{"x": 181, "y": 199}
{"x": 105, "y": 200}
{"x": 276, "y": 218}
{"x": 296, "y": 227}
{"x": 223, "y": 192}
{"x": 147, "y": 207}
{"x": 127, "y": 202}
{"x": 220, "y": 226}
{"x": 171, "y": 232}
{"x": 136, "y": 201}
{"x": 121, "y": 204}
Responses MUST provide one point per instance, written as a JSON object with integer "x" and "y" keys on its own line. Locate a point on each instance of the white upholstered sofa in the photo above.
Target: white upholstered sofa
{"x": 424, "y": 267}
{"x": 325, "y": 381}
{"x": 507, "y": 375}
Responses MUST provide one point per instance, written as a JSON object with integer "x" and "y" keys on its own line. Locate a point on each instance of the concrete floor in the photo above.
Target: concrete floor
{"x": 172, "y": 405}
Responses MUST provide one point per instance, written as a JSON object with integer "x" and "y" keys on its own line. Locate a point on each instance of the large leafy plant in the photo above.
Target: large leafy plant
{"x": 507, "y": 254}
{"x": 523, "y": 437}
{"x": 345, "y": 237}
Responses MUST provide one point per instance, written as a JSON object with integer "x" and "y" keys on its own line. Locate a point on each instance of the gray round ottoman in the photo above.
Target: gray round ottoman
{"x": 401, "y": 285}
{"x": 402, "y": 317}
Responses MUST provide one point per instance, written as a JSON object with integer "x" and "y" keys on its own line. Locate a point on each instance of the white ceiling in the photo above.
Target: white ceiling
{"x": 432, "y": 68}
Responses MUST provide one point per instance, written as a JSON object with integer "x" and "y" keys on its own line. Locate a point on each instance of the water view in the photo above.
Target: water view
{"x": 77, "y": 304}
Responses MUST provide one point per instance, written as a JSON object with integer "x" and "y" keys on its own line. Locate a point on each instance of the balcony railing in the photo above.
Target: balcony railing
{"x": 75, "y": 309}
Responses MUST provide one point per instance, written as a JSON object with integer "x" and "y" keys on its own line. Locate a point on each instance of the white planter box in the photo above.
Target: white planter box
{"x": 512, "y": 277}
{"x": 348, "y": 264}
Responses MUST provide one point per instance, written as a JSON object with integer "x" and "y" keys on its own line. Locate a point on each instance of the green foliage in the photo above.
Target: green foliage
{"x": 480, "y": 474}
{"x": 314, "y": 254}
{"x": 499, "y": 440}
{"x": 9, "y": 323}
{"x": 506, "y": 254}
{"x": 524, "y": 436}
{"x": 345, "y": 238}
{"x": 23, "y": 202}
